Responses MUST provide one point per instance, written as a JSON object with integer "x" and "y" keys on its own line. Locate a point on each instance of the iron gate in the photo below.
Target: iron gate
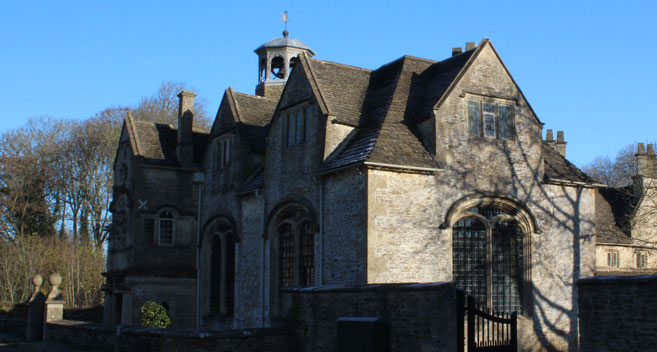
{"x": 487, "y": 331}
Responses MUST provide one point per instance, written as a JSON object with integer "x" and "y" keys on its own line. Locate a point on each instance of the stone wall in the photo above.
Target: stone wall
{"x": 618, "y": 313}
{"x": 419, "y": 317}
{"x": 101, "y": 338}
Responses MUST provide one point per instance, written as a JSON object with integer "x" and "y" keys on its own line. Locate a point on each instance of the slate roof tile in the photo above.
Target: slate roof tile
{"x": 558, "y": 168}
{"x": 343, "y": 87}
{"x": 255, "y": 110}
{"x": 157, "y": 142}
{"x": 613, "y": 213}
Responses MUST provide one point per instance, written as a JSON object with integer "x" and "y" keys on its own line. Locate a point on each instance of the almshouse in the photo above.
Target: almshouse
{"x": 418, "y": 171}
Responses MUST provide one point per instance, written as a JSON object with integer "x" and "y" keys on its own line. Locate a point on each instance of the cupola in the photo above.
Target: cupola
{"x": 275, "y": 61}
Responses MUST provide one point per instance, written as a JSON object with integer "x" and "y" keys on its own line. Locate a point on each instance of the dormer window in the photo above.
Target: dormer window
{"x": 223, "y": 151}
{"x": 491, "y": 119}
{"x": 296, "y": 122}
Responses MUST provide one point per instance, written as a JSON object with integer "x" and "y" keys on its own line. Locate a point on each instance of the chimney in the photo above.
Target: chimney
{"x": 646, "y": 161}
{"x": 470, "y": 45}
{"x": 456, "y": 51}
{"x": 185, "y": 147}
{"x": 560, "y": 146}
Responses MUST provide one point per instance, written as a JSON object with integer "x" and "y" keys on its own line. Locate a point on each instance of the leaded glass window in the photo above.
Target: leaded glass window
{"x": 489, "y": 120}
{"x": 507, "y": 264}
{"x": 307, "y": 262}
{"x": 166, "y": 227}
{"x": 488, "y": 258}
{"x": 469, "y": 255}
{"x": 505, "y": 122}
{"x": 474, "y": 118}
{"x": 286, "y": 255}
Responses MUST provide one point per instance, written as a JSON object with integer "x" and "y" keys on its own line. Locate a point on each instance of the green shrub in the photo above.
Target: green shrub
{"x": 154, "y": 315}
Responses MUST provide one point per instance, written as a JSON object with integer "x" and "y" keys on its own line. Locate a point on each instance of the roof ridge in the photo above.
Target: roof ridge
{"x": 255, "y": 96}
{"x": 342, "y": 65}
{"x": 420, "y": 59}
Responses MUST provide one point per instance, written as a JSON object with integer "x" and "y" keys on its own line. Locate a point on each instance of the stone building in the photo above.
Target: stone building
{"x": 627, "y": 222}
{"x": 418, "y": 171}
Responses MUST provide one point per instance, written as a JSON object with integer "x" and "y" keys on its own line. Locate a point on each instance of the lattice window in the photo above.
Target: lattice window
{"x": 507, "y": 264}
{"x": 286, "y": 255}
{"x": 307, "y": 237}
{"x": 469, "y": 255}
{"x": 490, "y": 119}
{"x": 488, "y": 260}
{"x": 166, "y": 226}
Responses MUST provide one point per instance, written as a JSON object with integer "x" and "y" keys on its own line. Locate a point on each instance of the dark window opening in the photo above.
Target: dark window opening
{"x": 278, "y": 67}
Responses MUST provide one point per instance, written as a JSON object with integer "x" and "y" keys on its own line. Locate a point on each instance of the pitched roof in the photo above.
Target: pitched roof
{"x": 557, "y": 168}
{"x": 396, "y": 96}
{"x": 613, "y": 214}
{"x": 254, "y": 110}
{"x": 156, "y": 142}
{"x": 343, "y": 87}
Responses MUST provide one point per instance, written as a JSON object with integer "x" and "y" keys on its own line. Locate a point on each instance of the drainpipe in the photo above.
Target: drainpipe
{"x": 198, "y": 178}
{"x": 262, "y": 267}
{"x": 320, "y": 267}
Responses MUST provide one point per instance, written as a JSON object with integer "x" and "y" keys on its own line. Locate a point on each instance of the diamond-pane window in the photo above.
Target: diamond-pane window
{"x": 166, "y": 225}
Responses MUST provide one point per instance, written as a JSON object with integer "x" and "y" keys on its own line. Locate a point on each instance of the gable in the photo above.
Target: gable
{"x": 226, "y": 115}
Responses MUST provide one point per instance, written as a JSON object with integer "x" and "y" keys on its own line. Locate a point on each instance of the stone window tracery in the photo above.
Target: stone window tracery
{"x": 488, "y": 256}
{"x": 490, "y": 118}
{"x": 296, "y": 253}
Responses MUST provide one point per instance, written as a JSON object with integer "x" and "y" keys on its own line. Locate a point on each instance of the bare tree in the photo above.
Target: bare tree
{"x": 163, "y": 107}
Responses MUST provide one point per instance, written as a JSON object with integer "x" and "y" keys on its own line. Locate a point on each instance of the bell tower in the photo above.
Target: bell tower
{"x": 276, "y": 60}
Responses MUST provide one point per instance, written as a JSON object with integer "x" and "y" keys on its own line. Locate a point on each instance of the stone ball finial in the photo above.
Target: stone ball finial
{"x": 285, "y": 33}
{"x": 55, "y": 279}
{"x": 37, "y": 280}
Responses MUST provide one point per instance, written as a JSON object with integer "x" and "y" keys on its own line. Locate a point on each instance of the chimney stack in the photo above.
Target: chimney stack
{"x": 646, "y": 161}
{"x": 560, "y": 146}
{"x": 456, "y": 51}
{"x": 185, "y": 147}
{"x": 470, "y": 45}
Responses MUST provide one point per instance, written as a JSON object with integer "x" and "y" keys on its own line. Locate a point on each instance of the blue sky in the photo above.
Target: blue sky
{"x": 586, "y": 67}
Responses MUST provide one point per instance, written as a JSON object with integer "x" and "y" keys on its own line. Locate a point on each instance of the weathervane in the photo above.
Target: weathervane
{"x": 285, "y": 19}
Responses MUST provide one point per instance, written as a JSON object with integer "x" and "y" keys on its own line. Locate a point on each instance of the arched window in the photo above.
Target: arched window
{"x": 296, "y": 253}
{"x": 222, "y": 274}
{"x": 292, "y": 246}
{"x": 166, "y": 225}
{"x": 488, "y": 257}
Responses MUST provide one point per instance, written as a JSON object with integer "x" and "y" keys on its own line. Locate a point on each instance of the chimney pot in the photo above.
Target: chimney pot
{"x": 184, "y": 147}
{"x": 456, "y": 51}
{"x": 185, "y": 102}
{"x": 549, "y": 136}
{"x": 560, "y": 136}
{"x": 470, "y": 46}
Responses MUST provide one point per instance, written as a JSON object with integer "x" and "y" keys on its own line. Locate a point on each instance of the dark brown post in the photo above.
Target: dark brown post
{"x": 514, "y": 331}
{"x": 471, "y": 322}
{"x": 460, "y": 312}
